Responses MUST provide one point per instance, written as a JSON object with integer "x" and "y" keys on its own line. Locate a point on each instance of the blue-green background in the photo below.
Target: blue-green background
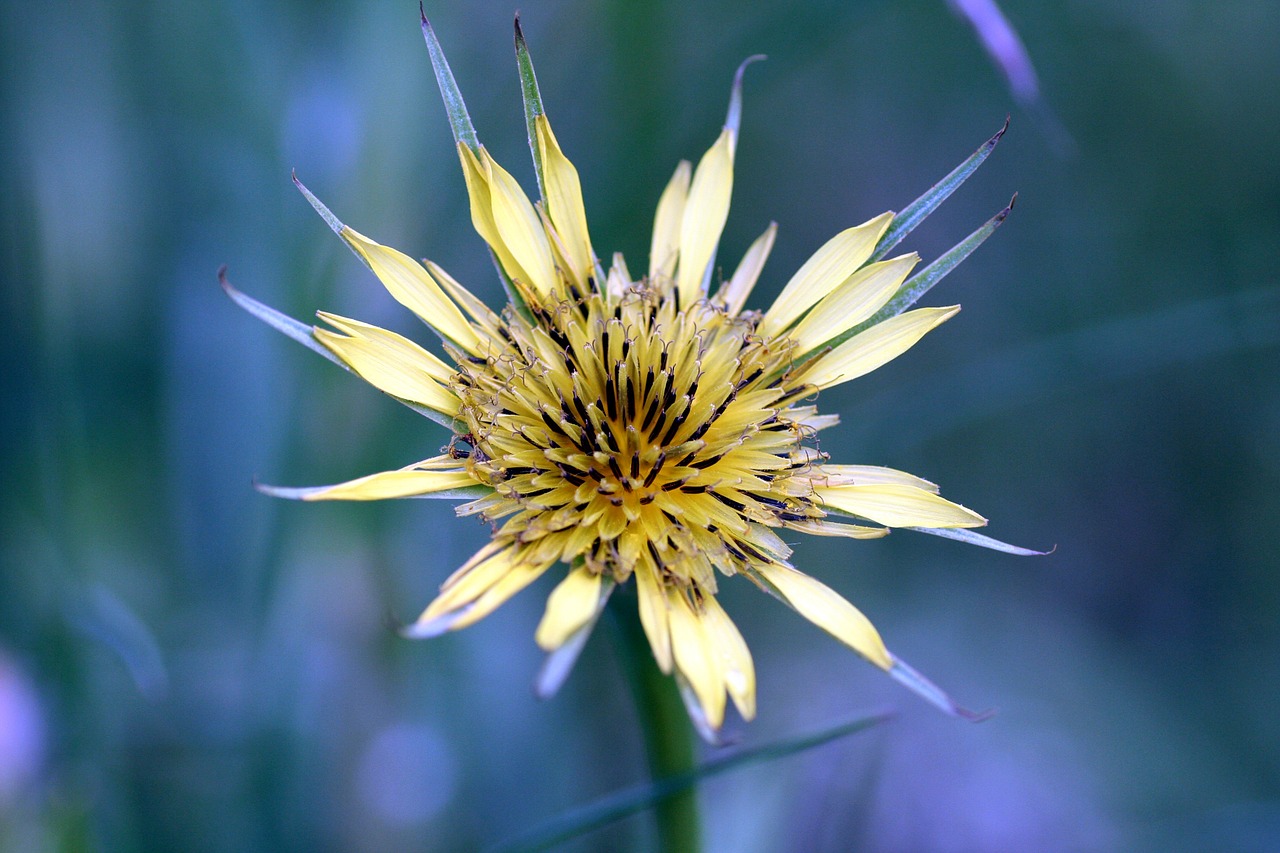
{"x": 188, "y": 665}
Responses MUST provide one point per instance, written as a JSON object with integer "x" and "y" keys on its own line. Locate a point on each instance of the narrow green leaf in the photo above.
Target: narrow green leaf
{"x": 618, "y": 805}
{"x": 459, "y": 118}
{"x": 916, "y": 212}
{"x": 532, "y": 104}
{"x": 301, "y": 333}
{"x": 968, "y": 536}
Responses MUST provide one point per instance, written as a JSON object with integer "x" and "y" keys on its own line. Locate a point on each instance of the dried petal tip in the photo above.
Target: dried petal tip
{"x": 910, "y": 678}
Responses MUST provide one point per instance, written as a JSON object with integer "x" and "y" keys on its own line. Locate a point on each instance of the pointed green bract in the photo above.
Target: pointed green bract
{"x": 916, "y": 212}
{"x": 733, "y": 119}
{"x": 920, "y": 283}
{"x": 459, "y": 118}
{"x": 302, "y": 333}
{"x": 971, "y": 538}
{"x": 614, "y": 807}
{"x": 908, "y": 677}
{"x": 532, "y": 104}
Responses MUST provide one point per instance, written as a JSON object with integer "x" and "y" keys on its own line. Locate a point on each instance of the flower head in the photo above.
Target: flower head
{"x": 644, "y": 429}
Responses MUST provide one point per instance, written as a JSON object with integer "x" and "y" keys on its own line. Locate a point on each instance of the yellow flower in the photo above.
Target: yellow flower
{"x": 643, "y": 429}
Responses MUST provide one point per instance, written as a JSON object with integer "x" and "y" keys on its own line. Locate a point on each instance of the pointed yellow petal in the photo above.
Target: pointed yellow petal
{"x": 858, "y": 298}
{"x": 705, "y": 213}
{"x": 570, "y": 606}
{"x": 564, "y": 201}
{"x": 477, "y": 178}
{"x": 838, "y": 259}
{"x": 468, "y": 301}
{"x": 664, "y": 251}
{"x": 733, "y": 295}
{"x": 827, "y": 609}
{"x": 869, "y": 475}
{"x": 895, "y": 505}
{"x": 412, "y": 287}
{"x": 695, "y": 658}
{"x": 653, "y": 614}
{"x": 735, "y": 657}
{"x": 404, "y": 483}
{"x": 519, "y": 227}
{"x": 495, "y": 596}
{"x": 876, "y": 346}
{"x": 435, "y": 368}
{"x": 392, "y": 364}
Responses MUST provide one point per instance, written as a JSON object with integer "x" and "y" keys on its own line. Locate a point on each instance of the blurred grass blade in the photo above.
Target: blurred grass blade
{"x": 616, "y": 806}
{"x": 972, "y": 538}
{"x": 916, "y": 212}
{"x": 532, "y": 104}
{"x": 301, "y": 333}
{"x": 459, "y": 119}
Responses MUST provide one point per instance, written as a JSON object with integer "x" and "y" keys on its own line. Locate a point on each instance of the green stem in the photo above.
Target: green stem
{"x": 668, "y": 734}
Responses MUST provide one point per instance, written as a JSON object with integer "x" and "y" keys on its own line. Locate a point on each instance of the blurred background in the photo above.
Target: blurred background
{"x": 188, "y": 665}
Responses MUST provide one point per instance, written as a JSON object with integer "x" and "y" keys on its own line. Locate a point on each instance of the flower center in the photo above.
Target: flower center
{"x": 616, "y": 427}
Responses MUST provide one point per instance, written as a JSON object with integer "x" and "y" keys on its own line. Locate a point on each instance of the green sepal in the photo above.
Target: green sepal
{"x": 621, "y": 804}
{"x": 532, "y": 105}
{"x": 961, "y": 534}
{"x": 459, "y": 119}
{"x": 916, "y": 212}
{"x": 302, "y": 333}
{"x": 733, "y": 119}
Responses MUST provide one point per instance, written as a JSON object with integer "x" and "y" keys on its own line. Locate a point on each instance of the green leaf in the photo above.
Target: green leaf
{"x": 916, "y": 212}
{"x": 968, "y": 536}
{"x": 301, "y": 333}
{"x": 532, "y": 104}
{"x": 459, "y": 118}
{"x": 632, "y": 800}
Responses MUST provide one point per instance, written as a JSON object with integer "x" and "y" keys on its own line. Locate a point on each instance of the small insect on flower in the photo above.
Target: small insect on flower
{"x": 649, "y": 429}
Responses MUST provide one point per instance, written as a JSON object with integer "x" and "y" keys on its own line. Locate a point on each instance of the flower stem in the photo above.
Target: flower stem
{"x": 668, "y": 734}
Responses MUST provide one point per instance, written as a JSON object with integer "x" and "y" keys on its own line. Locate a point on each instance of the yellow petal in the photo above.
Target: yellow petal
{"x": 664, "y": 250}
{"x": 564, "y": 201}
{"x": 735, "y": 657}
{"x": 827, "y": 609}
{"x": 736, "y": 290}
{"x": 495, "y": 596}
{"x": 695, "y": 658}
{"x": 392, "y": 364}
{"x": 868, "y": 475}
{"x": 571, "y": 605}
{"x": 858, "y": 298}
{"x": 878, "y": 345}
{"x": 838, "y": 259}
{"x": 412, "y": 287}
{"x": 404, "y": 483}
{"x": 477, "y": 178}
{"x": 653, "y": 614}
{"x": 705, "y": 213}
{"x": 434, "y": 367}
{"x": 481, "y": 313}
{"x": 519, "y": 227}
{"x": 895, "y": 505}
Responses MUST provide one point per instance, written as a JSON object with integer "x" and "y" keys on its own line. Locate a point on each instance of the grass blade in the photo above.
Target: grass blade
{"x": 629, "y": 801}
